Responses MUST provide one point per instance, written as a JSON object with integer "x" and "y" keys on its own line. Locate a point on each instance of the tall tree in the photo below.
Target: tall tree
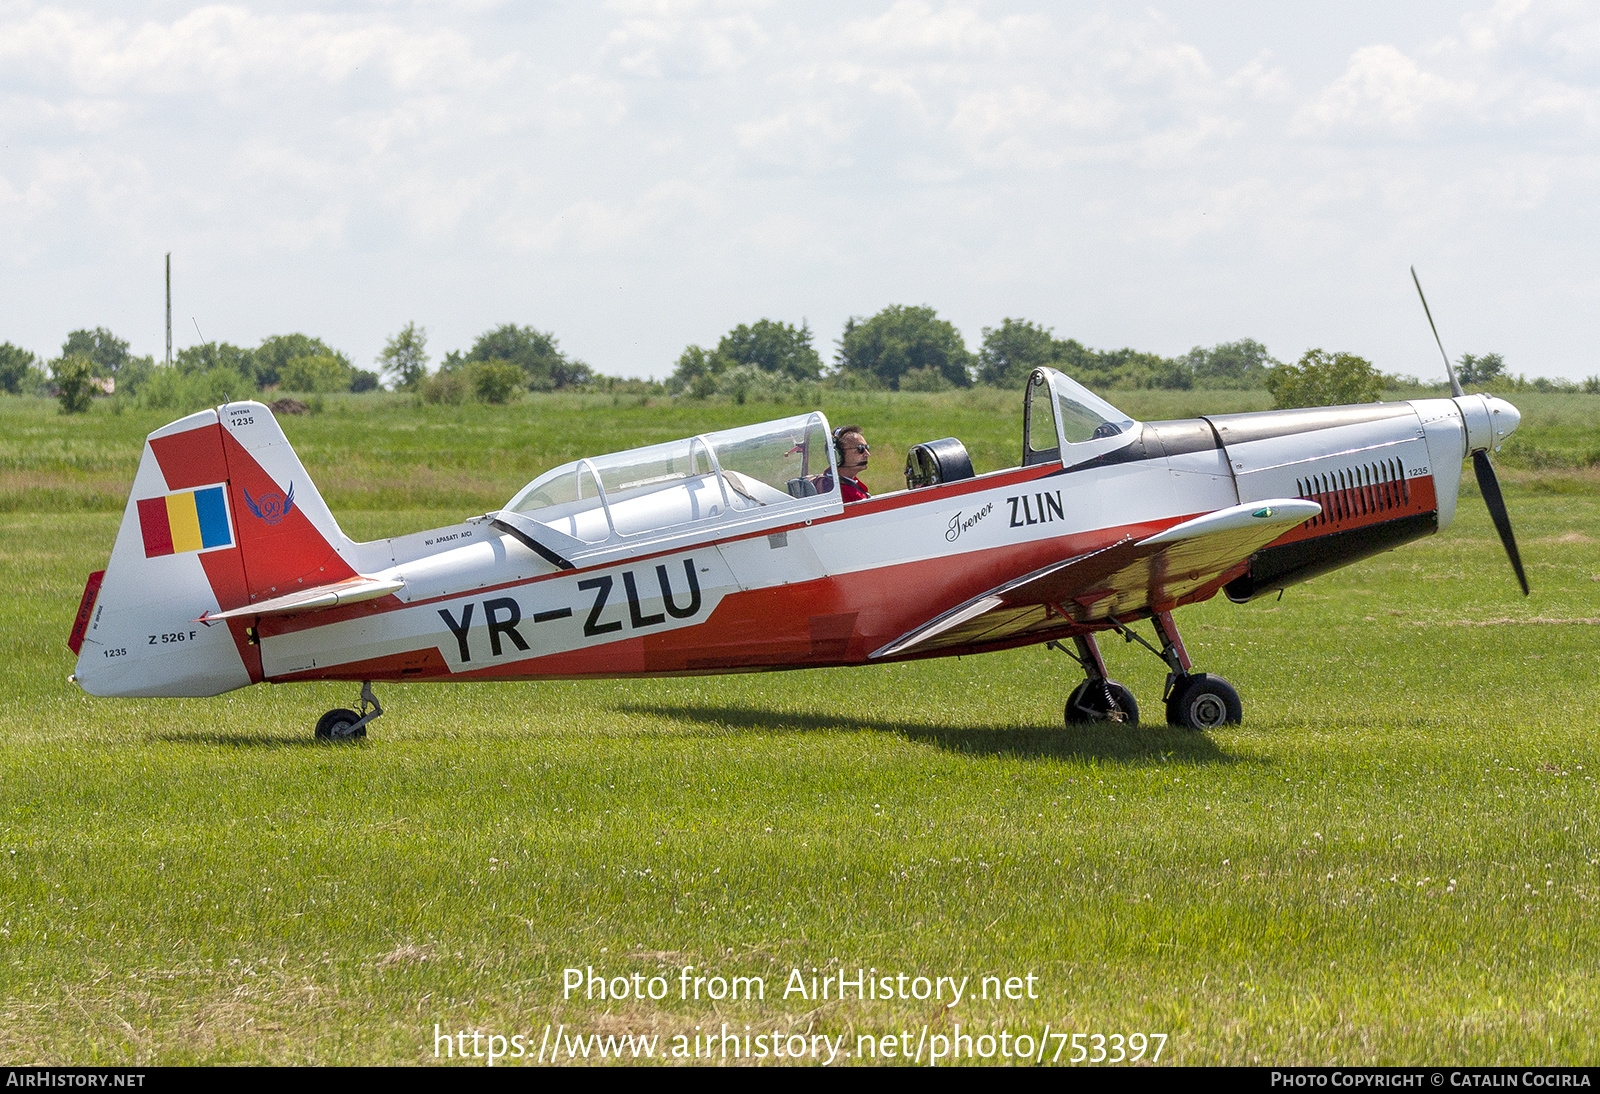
{"x": 18, "y": 371}
{"x": 773, "y": 347}
{"x": 274, "y": 353}
{"x": 210, "y": 356}
{"x": 405, "y": 357}
{"x": 901, "y": 338}
{"x": 1238, "y": 365}
{"x": 1013, "y": 350}
{"x": 105, "y": 351}
{"x": 535, "y": 352}
{"x": 1480, "y": 368}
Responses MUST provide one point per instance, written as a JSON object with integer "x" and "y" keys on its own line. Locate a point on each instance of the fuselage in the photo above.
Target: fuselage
{"x": 834, "y": 589}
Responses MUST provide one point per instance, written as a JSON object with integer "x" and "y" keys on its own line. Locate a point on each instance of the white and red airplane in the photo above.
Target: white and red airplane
{"x": 719, "y": 553}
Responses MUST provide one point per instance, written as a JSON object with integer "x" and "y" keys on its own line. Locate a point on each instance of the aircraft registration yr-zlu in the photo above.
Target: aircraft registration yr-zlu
{"x": 732, "y": 551}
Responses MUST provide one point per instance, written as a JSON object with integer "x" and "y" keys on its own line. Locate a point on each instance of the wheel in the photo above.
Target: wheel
{"x": 336, "y": 725}
{"x": 1088, "y": 703}
{"x": 1204, "y": 702}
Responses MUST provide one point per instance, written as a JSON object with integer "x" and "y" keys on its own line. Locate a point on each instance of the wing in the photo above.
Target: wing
{"x": 1120, "y": 580}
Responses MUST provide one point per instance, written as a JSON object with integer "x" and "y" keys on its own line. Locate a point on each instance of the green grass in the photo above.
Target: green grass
{"x": 1394, "y": 859}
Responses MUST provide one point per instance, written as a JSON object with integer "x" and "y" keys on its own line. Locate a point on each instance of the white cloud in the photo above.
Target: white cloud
{"x": 912, "y": 27}
{"x": 685, "y": 37}
{"x": 1503, "y": 71}
{"x": 1384, "y": 88}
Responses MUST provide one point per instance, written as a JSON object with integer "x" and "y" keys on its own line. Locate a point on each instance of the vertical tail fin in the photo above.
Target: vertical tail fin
{"x": 221, "y": 514}
{"x": 287, "y": 535}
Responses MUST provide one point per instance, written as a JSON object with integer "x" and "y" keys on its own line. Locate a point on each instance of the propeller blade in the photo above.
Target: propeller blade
{"x": 1455, "y": 385}
{"x": 1490, "y": 488}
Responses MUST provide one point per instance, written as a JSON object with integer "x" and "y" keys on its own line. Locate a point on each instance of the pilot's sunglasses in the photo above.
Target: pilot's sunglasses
{"x": 863, "y": 449}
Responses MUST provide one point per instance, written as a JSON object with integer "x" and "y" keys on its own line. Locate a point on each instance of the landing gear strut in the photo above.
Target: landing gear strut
{"x": 341, "y": 724}
{"x": 1099, "y": 698}
{"x": 1194, "y": 700}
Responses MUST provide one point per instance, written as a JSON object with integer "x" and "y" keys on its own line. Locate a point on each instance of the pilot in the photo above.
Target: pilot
{"x": 852, "y": 449}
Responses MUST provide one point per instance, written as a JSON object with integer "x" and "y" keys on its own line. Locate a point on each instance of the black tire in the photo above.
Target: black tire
{"x": 335, "y": 726}
{"x": 1204, "y": 702}
{"x": 1088, "y": 703}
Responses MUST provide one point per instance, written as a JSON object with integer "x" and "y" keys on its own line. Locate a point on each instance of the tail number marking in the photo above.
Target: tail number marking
{"x": 502, "y": 616}
{"x": 172, "y": 636}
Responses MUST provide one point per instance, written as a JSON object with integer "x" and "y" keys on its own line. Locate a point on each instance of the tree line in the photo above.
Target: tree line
{"x": 909, "y": 348}
{"x": 901, "y": 348}
{"x": 501, "y": 362}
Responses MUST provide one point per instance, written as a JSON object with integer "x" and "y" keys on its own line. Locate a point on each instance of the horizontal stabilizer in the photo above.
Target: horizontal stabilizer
{"x": 349, "y": 591}
{"x": 1121, "y": 580}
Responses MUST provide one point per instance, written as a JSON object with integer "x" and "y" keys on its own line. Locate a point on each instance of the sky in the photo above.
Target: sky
{"x": 638, "y": 175}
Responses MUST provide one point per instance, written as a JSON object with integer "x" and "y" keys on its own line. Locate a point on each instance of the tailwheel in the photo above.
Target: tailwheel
{"x": 343, "y": 724}
{"x": 1200, "y": 701}
{"x": 1101, "y": 700}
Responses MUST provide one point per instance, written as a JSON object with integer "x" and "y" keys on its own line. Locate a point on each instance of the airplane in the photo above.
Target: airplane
{"x": 732, "y": 551}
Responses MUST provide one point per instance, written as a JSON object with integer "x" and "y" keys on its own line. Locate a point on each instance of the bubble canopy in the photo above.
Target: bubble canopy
{"x": 741, "y": 471}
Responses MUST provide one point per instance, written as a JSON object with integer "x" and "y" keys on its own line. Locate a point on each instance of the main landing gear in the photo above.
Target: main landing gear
{"x": 341, "y": 724}
{"x": 1194, "y": 700}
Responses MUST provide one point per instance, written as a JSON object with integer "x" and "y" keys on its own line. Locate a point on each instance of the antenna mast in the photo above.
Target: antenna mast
{"x": 169, "y": 309}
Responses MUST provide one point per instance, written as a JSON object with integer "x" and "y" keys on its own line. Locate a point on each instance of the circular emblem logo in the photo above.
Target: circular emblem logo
{"x": 271, "y": 507}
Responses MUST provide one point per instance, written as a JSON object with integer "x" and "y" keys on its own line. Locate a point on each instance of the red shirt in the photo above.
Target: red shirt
{"x": 850, "y": 489}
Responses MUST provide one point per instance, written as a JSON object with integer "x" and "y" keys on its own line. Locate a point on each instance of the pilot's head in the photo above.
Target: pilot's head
{"x": 852, "y": 449}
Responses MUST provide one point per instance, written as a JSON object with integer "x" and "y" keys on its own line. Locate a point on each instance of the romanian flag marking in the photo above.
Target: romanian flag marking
{"x": 194, "y": 520}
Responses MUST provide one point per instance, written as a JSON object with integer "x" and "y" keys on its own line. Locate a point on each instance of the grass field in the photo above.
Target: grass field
{"x": 1394, "y": 859}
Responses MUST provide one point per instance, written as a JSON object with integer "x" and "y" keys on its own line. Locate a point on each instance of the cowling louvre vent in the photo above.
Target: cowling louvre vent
{"x": 1355, "y": 493}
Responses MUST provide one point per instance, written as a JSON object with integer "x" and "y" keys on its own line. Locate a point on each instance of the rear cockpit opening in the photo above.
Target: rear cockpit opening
{"x": 935, "y": 462}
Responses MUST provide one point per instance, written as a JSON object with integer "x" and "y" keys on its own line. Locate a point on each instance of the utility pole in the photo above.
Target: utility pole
{"x": 169, "y": 309}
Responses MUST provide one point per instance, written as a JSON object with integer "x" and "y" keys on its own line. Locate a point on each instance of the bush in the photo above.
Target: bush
{"x": 1325, "y": 379}
{"x": 319, "y": 375}
{"x": 74, "y": 377}
{"x": 450, "y": 387}
{"x": 925, "y": 379}
{"x": 495, "y": 381}
{"x": 174, "y": 389}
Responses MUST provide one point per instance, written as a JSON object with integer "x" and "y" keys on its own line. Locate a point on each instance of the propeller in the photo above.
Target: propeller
{"x": 1488, "y": 483}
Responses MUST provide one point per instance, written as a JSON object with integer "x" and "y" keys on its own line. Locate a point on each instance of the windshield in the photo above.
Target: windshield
{"x": 1084, "y": 415}
{"x": 698, "y": 478}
